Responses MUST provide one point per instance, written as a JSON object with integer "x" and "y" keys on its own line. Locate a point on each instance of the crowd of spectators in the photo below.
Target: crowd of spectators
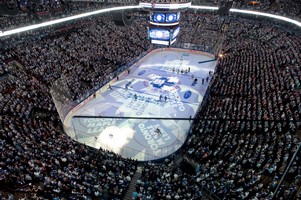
{"x": 206, "y": 34}
{"x": 54, "y": 164}
{"x": 242, "y": 159}
{"x": 166, "y": 181}
{"x": 45, "y": 12}
{"x": 86, "y": 58}
{"x": 290, "y": 9}
{"x": 49, "y": 10}
{"x": 40, "y": 160}
{"x": 257, "y": 83}
{"x": 242, "y": 140}
{"x": 257, "y": 86}
{"x": 245, "y": 136}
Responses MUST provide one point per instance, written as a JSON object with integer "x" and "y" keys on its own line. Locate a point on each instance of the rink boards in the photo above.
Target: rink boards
{"x": 160, "y": 91}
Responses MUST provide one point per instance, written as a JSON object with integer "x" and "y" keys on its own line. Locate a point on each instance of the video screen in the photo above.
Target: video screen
{"x": 162, "y": 42}
{"x": 159, "y": 34}
{"x": 171, "y": 17}
{"x": 163, "y": 35}
{"x": 176, "y": 32}
{"x": 158, "y": 17}
{"x": 178, "y": 16}
{"x": 165, "y": 17}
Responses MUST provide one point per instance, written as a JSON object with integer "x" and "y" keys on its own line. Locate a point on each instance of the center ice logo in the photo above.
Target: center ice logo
{"x": 162, "y": 82}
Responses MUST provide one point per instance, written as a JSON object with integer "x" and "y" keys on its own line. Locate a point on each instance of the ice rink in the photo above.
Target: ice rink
{"x": 145, "y": 114}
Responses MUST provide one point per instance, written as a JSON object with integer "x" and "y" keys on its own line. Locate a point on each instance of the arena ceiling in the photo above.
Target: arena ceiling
{"x": 106, "y": 10}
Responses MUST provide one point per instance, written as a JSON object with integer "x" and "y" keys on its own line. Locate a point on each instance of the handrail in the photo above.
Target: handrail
{"x": 285, "y": 172}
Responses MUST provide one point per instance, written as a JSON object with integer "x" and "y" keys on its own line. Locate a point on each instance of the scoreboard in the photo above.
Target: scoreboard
{"x": 163, "y": 35}
{"x": 163, "y": 27}
{"x": 164, "y": 18}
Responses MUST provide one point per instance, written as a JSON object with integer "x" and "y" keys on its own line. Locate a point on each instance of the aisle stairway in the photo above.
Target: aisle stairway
{"x": 128, "y": 195}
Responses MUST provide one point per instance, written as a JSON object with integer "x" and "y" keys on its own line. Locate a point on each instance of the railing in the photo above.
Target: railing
{"x": 196, "y": 47}
{"x": 66, "y": 106}
{"x": 63, "y": 98}
{"x": 118, "y": 142}
{"x": 163, "y": 153}
{"x": 275, "y": 193}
